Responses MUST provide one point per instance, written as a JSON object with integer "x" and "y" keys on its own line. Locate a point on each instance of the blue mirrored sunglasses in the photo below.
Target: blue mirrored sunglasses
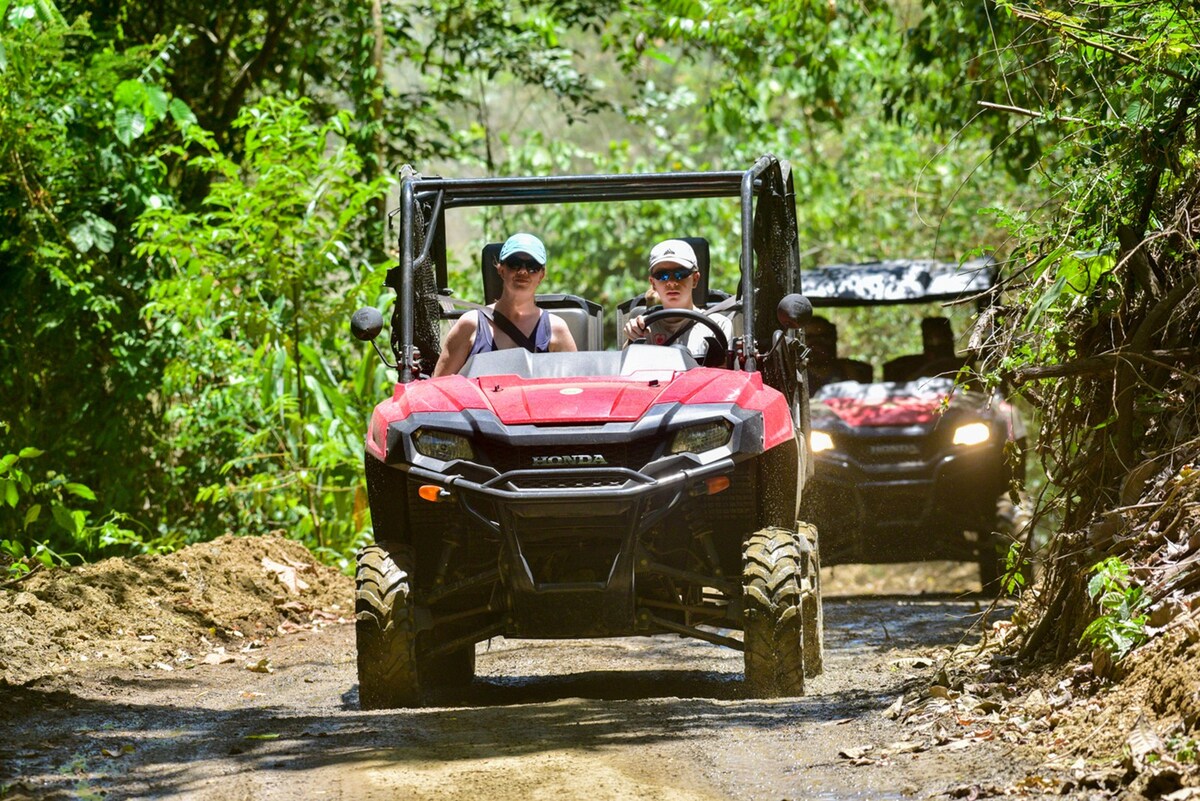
{"x": 678, "y": 274}
{"x": 528, "y": 265}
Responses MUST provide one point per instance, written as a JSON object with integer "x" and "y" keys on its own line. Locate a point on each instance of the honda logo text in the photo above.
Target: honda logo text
{"x": 569, "y": 460}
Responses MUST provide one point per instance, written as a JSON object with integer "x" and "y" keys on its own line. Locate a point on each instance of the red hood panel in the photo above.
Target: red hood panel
{"x": 518, "y": 401}
{"x": 585, "y": 400}
{"x": 886, "y": 404}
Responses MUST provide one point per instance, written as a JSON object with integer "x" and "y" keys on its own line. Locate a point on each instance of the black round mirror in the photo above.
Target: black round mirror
{"x": 794, "y": 311}
{"x": 367, "y": 322}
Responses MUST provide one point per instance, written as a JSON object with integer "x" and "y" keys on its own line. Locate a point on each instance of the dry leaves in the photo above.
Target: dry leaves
{"x": 287, "y": 574}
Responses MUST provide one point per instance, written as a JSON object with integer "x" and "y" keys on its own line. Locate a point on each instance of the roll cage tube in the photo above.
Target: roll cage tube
{"x": 463, "y": 193}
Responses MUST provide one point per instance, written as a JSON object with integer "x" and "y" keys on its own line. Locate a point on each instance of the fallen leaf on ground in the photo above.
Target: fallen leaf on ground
{"x": 855, "y": 753}
{"x": 117, "y": 752}
{"x": 218, "y": 657}
{"x": 285, "y": 575}
{"x": 261, "y": 666}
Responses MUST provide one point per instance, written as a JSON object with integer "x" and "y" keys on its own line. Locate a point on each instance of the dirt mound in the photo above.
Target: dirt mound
{"x": 216, "y": 601}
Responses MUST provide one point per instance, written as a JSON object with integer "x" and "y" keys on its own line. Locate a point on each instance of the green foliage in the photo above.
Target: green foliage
{"x": 178, "y": 255}
{"x": 1183, "y": 749}
{"x": 78, "y": 125}
{"x": 1121, "y": 625}
{"x": 46, "y": 522}
{"x": 1016, "y": 565}
{"x": 264, "y": 401}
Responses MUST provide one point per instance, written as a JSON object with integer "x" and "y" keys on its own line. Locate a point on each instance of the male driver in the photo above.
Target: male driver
{"x": 673, "y": 275}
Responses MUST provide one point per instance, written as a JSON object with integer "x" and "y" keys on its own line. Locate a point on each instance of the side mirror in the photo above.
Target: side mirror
{"x": 367, "y": 322}
{"x": 794, "y": 311}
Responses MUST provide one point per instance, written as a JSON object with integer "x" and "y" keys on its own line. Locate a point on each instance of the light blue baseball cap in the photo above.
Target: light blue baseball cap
{"x": 524, "y": 243}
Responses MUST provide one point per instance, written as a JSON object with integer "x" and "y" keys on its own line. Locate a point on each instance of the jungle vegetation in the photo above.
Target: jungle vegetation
{"x": 193, "y": 198}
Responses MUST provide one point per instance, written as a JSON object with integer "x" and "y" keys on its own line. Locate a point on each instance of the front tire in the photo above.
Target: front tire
{"x": 811, "y": 607}
{"x": 779, "y": 589}
{"x": 385, "y": 629}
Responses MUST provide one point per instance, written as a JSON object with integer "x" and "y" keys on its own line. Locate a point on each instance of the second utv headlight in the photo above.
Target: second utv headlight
{"x": 442, "y": 445}
{"x": 820, "y": 441}
{"x": 701, "y": 438}
{"x": 972, "y": 434}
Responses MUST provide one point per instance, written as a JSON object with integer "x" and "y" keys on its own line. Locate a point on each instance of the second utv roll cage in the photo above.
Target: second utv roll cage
{"x": 768, "y": 232}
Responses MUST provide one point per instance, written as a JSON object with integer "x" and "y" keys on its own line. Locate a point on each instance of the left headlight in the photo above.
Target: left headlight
{"x": 442, "y": 445}
{"x": 972, "y": 434}
{"x": 702, "y": 437}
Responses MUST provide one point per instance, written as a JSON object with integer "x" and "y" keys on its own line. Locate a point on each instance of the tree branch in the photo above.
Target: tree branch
{"x": 1104, "y": 362}
{"x": 1129, "y": 58}
{"x": 1025, "y": 112}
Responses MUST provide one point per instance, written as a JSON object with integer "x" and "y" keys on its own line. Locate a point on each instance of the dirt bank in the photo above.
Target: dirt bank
{"x": 206, "y": 601}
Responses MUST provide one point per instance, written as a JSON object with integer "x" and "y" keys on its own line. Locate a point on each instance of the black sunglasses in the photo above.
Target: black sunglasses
{"x": 678, "y": 274}
{"x": 528, "y": 265}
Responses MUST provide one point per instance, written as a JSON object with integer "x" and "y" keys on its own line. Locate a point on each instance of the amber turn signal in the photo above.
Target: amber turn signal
{"x": 433, "y": 493}
{"x": 717, "y": 484}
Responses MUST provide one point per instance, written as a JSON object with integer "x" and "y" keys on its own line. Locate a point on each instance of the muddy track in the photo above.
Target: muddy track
{"x": 623, "y": 718}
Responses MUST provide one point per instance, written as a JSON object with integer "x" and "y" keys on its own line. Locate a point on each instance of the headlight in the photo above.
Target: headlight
{"x": 701, "y": 438}
{"x": 442, "y": 445}
{"x": 820, "y": 441}
{"x": 972, "y": 434}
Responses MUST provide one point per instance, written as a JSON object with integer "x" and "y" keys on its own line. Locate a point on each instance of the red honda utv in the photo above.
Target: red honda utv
{"x": 913, "y": 461}
{"x": 598, "y": 493}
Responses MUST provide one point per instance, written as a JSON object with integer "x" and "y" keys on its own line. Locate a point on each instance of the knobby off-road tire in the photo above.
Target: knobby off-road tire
{"x": 779, "y": 587}
{"x": 810, "y": 606}
{"x": 385, "y": 629}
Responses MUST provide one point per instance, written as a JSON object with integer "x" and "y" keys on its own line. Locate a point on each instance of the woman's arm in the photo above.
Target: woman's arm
{"x": 560, "y": 335}
{"x": 457, "y": 346}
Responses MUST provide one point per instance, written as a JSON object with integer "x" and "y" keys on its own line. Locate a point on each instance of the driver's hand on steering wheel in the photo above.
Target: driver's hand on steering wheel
{"x": 635, "y": 328}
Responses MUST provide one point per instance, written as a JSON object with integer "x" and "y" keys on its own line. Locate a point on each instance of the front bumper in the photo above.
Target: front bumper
{"x": 941, "y": 506}
{"x": 568, "y": 539}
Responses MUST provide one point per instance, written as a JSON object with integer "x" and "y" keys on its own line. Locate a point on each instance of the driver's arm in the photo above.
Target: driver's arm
{"x": 635, "y": 328}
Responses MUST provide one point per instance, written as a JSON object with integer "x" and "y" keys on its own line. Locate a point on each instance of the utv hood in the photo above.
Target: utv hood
{"x": 888, "y": 403}
{"x": 583, "y": 399}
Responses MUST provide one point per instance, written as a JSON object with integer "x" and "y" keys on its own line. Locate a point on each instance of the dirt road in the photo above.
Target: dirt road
{"x": 658, "y": 718}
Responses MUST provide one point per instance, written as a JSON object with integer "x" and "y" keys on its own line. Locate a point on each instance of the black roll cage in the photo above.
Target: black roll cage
{"x": 439, "y": 194}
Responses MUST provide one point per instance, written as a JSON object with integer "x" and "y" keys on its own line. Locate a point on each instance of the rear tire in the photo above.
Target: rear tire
{"x": 385, "y": 629}
{"x": 779, "y": 593}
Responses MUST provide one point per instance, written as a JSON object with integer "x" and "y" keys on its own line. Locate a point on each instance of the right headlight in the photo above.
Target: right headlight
{"x": 702, "y": 437}
{"x": 820, "y": 441}
{"x": 442, "y": 445}
{"x": 972, "y": 434}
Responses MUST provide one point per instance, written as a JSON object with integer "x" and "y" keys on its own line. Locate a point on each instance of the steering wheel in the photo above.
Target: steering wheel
{"x": 695, "y": 317}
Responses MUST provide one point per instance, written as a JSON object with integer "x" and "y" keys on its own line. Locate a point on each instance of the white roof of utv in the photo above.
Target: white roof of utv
{"x": 897, "y": 281}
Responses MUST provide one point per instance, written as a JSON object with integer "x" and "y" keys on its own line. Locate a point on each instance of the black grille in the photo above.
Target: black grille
{"x": 569, "y": 482}
{"x": 505, "y": 458}
{"x": 890, "y": 450}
